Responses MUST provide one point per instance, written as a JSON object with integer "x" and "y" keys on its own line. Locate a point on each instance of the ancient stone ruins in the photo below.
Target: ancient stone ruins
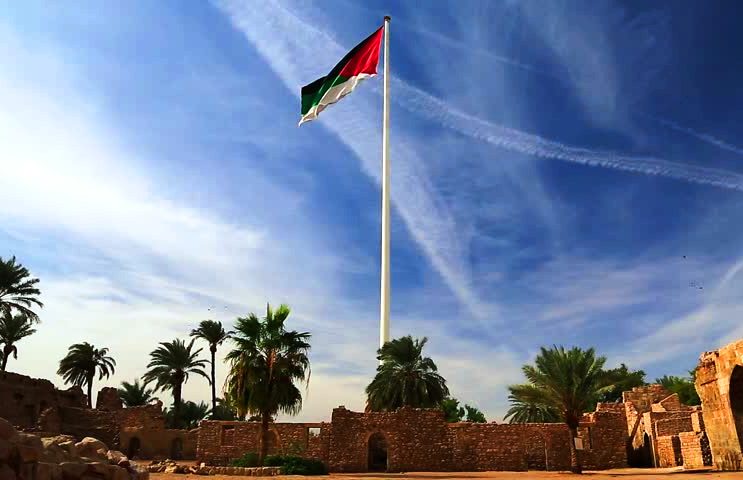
{"x": 650, "y": 428}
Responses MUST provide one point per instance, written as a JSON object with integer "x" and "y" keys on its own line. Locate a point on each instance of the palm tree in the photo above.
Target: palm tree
{"x": 170, "y": 365}
{"x": 214, "y": 334}
{"x": 17, "y": 289}
{"x": 566, "y": 382}
{"x": 264, "y": 365}
{"x": 81, "y": 363}
{"x": 190, "y": 414}
{"x": 12, "y": 329}
{"x": 135, "y": 394}
{"x": 522, "y": 411}
{"x": 405, "y": 377}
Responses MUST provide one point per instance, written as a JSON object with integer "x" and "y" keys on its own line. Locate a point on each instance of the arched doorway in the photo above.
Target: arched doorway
{"x": 176, "y": 449}
{"x": 377, "y": 454}
{"x": 134, "y": 445}
{"x": 736, "y": 401}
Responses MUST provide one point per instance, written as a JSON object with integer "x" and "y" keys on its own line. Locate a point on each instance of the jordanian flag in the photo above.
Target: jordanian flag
{"x": 358, "y": 64}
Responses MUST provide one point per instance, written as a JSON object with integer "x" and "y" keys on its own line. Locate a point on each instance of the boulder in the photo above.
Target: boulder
{"x": 6, "y": 473}
{"x": 98, "y": 469}
{"x": 115, "y": 457}
{"x": 59, "y": 449}
{"x": 118, "y": 473}
{"x": 7, "y": 431}
{"x": 29, "y": 447}
{"x": 92, "y": 448}
{"x": 48, "y": 471}
{"x": 72, "y": 470}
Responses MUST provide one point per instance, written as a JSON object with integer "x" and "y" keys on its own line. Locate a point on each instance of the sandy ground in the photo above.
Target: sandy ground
{"x": 622, "y": 474}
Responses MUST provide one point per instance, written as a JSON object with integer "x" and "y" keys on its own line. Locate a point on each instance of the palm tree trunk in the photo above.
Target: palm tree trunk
{"x": 6, "y": 354}
{"x": 90, "y": 392}
{"x": 214, "y": 378}
{"x": 575, "y": 464}
{"x": 265, "y": 418}
{"x": 177, "y": 404}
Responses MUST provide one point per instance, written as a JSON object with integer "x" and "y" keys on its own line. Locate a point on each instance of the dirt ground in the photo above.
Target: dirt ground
{"x": 622, "y": 474}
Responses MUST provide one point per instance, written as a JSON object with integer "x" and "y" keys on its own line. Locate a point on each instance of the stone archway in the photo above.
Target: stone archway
{"x": 377, "y": 453}
{"x": 736, "y": 401}
{"x": 134, "y": 446}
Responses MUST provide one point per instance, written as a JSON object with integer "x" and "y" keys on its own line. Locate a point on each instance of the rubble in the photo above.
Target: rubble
{"x": 25, "y": 456}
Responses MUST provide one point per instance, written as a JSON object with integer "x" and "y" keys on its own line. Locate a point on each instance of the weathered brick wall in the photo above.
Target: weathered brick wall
{"x": 695, "y": 449}
{"x": 108, "y": 399}
{"x": 642, "y": 398}
{"x": 491, "y": 446}
{"x": 147, "y": 417}
{"x": 159, "y": 444}
{"x": 421, "y": 439}
{"x": 719, "y": 382}
{"x": 23, "y": 399}
{"x": 86, "y": 422}
{"x": 605, "y": 437}
{"x": 697, "y": 421}
{"x": 221, "y": 441}
{"x": 671, "y": 403}
{"x": 637, "y": 402}
{"x": 669, "y": 451}
{"x": 417, "y": 439}
{"x": 673, "y": 425}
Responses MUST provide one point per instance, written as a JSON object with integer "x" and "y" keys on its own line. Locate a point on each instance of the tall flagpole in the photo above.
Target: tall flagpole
{"x": 384, "y": 310}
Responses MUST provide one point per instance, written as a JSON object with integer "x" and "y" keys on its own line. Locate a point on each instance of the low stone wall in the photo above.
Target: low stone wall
{"x": 421, "y": 440}
{"x": 222, "y": 441}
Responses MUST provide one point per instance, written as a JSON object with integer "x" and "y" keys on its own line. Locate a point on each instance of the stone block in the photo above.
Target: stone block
{"x": 6, "y": 473}
{"x": 73, "y": 470}
{"x": 48, "y": 471}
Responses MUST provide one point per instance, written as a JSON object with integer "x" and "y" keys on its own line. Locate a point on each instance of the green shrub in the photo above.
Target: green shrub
{"x": 274, "y": 461}
{"x": 249, "y": 459}
{"x": 290, "y": 464}
{"x": 302, "y": 466}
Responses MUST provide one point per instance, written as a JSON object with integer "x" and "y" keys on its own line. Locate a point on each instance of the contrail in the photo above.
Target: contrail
{"x": 705, "y": 137}
{"x": 421, "y": 103}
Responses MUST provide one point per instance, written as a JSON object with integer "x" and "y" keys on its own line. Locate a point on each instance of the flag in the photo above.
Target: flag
{"x": 358, "y": 64}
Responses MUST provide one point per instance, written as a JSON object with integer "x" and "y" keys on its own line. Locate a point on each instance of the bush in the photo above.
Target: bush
{"x": 302, "y": 466}
{"x": 290, "y": 464}
{"x": 274, "y": 461}
{"x": 293, "y": 465}
{"x": 249, "y": 459}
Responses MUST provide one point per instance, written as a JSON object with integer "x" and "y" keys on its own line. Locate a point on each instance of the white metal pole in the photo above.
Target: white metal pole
{"x": 384, "y": 313}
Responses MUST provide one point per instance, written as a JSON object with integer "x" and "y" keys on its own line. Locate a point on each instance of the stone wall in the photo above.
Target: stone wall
{"x": 222, "y": 441}
{"x": 669, "y": 451}
{"x": 673, "y": 425}
{"x": 605, "y": 437}
{"x": 23, "y": 398}
{"x": 719, "y": 382}
{"x": 695, "y": 449}
{"x": 108, "y": 399}
{"x": 421, "y": 440}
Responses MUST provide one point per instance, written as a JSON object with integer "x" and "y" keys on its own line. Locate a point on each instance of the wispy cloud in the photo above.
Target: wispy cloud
{"x": 296, "y": 58}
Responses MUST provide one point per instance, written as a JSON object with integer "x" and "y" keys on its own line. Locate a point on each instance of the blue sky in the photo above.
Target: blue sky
{"x": 562, "y": 172}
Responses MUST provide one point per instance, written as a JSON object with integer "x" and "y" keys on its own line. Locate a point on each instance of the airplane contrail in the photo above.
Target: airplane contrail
{"x": 421, "y": 103}
{"x": 705, "y": 137}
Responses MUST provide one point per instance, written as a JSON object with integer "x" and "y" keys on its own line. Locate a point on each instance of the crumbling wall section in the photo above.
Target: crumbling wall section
{"x": 669, "y": 451}
{"x": 605, "y": 437}
{"x": 719, "y": 383}
{"x": 23, "y": 398}
{"x": 222, "y": 441}
{"x": 695, "y": 450}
